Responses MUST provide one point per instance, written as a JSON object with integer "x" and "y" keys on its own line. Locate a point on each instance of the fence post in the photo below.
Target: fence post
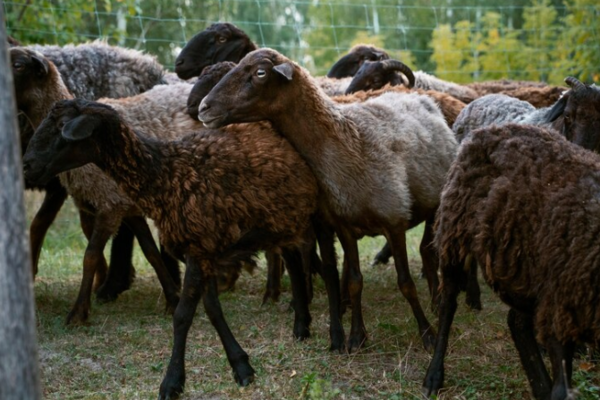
{"x": 19, "y": 369}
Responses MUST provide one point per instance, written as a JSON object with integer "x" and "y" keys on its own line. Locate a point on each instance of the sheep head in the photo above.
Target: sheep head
{"x": 29, "y": 69}
{"x": 211, "y": 75}
{"x": 577, "y": 115}
{"x": 374, "y": 75}
{"x": 219, "y": 42}
{"x": 254, "y": 90}
{"x": 64, "y": 140}
{"x": 351, "y": 62}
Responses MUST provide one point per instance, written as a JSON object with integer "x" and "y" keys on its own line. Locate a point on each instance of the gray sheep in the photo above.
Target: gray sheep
{"x": 97, "y": 69}
{"x": 576, "y": 115}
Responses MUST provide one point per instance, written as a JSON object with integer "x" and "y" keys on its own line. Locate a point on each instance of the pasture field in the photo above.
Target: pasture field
{"x": 124, "y": 350}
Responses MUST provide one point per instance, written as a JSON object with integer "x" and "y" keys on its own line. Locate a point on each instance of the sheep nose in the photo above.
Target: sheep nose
{"x": 203, "y": 107}
{"x": 179, "y": 62}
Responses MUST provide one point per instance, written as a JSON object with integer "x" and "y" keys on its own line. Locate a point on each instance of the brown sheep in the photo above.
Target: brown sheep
{"x": 381, "y": 164}
{"x": 214, "y": 195}
{"x": 524, "y": 202}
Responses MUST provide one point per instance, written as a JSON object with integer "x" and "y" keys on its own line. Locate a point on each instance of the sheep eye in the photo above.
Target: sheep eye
{"x": 222, "y": 39}
{"x": 261, "y": 73}
{"x": 18, "y": 66}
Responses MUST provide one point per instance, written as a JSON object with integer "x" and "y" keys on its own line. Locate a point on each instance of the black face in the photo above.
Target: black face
{"x": 48, "y": 152}
{"x": 211, "y": 75}
{"x": 351, "y": 62}
{"x": 219, "y": 42}
{"x": 370, "y": 76}
{"x": 581, "y": 119}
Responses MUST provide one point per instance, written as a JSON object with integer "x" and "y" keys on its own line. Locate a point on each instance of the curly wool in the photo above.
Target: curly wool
{"x": 449, "y": 105}
{"x": 539, "y": 94}
{"x": 491, "y": 109}
{"x": 96, "y": 69}
{"x": 160, "y": 113}
{"x": 524, "y": 201}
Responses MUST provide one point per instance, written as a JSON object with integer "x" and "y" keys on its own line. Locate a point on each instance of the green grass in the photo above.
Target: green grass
{"x": 123, "y": 352}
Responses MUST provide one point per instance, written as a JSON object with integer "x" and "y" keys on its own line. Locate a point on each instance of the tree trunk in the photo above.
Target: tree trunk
{"x": 19, "y": 370}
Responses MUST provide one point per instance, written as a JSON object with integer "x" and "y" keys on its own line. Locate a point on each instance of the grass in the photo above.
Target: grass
{"x": 123, "y": 352}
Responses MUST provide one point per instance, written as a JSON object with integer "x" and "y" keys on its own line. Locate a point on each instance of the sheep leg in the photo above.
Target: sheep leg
{"x": 561, "y": 358}
{"x": 144, "y": 236}
{"x": 53, "y": 200}
{"x": 193, "y": 289}
{"x": 345, "y": 291}
{"x": 521, "y": 329}
{"x": 397, "y": 240}
{"x": 434, "y": 379}
{"x": 429, "y": 258}
{"x": 331, "y": 277}
{"x": 358, "y": 332}
{"x": 237, "y": 357}
{"x": 172, "y": 266}
{"x": 121, "y": 272}
{"x": 86, "y": 221}
{"x": 93, "y": 261}
{"x": 383, "y": 257}
{"x": 293, "y": 264}
{"x": 274, "y": 272}
{"x": 473, "y": 298}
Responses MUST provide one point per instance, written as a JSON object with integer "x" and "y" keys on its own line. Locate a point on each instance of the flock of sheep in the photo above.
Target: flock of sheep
{"x": 243, "y": 150}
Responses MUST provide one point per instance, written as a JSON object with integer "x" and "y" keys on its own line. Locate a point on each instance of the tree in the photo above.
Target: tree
{"x": 19, "y": 370}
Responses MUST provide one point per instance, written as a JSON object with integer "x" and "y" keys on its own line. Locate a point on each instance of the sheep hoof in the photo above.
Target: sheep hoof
{"x": 429, "y": 393}
{"x": 338, "y": 346}
{"x": 356, "y": 342}
{"x": 474, "y": 304}
{"x": 77, "y": 317}
{"x": 433, "y": 383}
{"x": 270, "y": 297}
{"x": 170, "y": 391}
{"x": 244, "y": 375}
{"x": 107, "y": 295}
{"x": 301, "y": 332}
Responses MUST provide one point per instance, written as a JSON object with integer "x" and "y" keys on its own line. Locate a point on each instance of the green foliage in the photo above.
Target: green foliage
{"x": 546, "y": 47}
{"x": 517, "y": 39}
{"x": 315, "y": 388}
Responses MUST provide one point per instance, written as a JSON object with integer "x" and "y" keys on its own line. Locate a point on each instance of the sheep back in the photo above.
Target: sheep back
{"x": 96, "y": 69}
{"x": 526, "y": 203}
{"x": 490, "y": 109}
{"x": 429, "y": 82}
{"x": 223, "y": 182}
{"x": 411, "y": 129}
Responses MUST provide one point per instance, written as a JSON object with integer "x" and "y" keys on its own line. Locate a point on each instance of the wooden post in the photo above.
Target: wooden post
{"x": 19, "y": 369}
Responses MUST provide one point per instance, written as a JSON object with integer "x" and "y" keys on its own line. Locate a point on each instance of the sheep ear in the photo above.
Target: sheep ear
{"x": 558, "y": 108}
{"x": 41, "y": 65}
{"x": 285, "y": 69}
{"x": 78, "y": 128}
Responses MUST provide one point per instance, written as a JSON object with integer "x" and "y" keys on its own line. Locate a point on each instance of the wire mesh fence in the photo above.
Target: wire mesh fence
{"x": 456, "y": 39}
